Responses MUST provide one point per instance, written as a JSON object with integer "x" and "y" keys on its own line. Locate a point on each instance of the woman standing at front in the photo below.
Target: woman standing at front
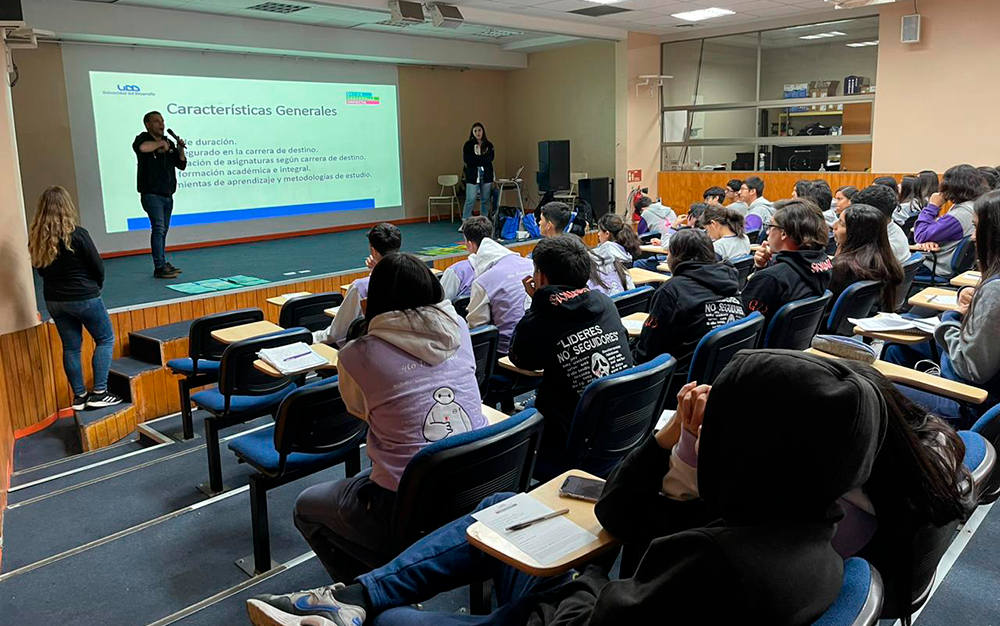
{"x": 72, "y": 275}
{"x": 478, "y": 156}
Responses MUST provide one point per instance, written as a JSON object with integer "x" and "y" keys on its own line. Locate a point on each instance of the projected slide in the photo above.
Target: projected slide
{"x": 256, "y": 149}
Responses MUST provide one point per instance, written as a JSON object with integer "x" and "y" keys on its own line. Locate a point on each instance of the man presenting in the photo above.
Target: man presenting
{"x": 156, "y": 182}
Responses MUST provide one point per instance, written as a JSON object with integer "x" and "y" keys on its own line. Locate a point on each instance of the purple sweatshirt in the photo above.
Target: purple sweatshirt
{"x": 946, "y": 231}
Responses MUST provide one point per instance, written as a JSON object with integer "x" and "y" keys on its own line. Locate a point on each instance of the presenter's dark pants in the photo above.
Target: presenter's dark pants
{"x": 158, "y": 208}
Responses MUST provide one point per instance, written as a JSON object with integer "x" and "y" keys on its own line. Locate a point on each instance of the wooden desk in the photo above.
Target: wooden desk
{"x": 968, "y": 279}
{"x": 244, "y": 331}
{"x": 755, "y": 247}
{"x": 906, "y": 339}
{"x": 436, "y": 271}
{"x": 507, "y": 364}
{"x": 345, "y": 288}
{"x": 327, "y": 352}
{"x": 635, "y": 328}
{"x": 493, "y": 416}
{"x": 283, "y": 298}
{"x": 651, "y": 249}
{"x": 918, "y": 380}
{"x": 923, "y": 299}
{"x": 331, "y": 312}
{"x": 580, "y": 513}
{"x": 663, "y": 267}
{"x": 645, "y": 277}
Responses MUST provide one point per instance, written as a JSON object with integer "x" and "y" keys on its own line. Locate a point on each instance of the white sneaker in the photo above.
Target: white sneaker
{"x": 263, "y": 614}
{"x": 319, "y": 602}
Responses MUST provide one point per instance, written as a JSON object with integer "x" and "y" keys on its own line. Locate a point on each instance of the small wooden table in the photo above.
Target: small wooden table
{"x": 636, "y": 320}
{"x": 926, "y": 299}
{"x": 280, "y": 301}
{"x": 968, "y": 279}
{"x": 580, "y": 513}
{"x": 906, "y": 339}
{"x": 919, "y": 380}
{"x": 507, "y": 364}
{"x": 651, "y": 249}
{"x": 331, "y": 312}
{"x": 645, "y": 277}
{"x": 244, "y": 331}
{"x": 327, "y": 352}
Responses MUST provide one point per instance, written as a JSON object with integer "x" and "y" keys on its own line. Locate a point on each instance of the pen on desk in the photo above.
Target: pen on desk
{"x": 542, "y": 518}
{"x": 298, "y": 355}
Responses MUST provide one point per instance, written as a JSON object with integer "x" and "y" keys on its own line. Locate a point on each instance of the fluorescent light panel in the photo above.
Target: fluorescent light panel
{"x": 862, "y": 44}
{"x": 702, "y": 14}
{"x": 832, "y": 33}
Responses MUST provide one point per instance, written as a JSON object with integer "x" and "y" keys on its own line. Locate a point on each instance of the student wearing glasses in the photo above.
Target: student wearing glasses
{"x": 792, "y": 264}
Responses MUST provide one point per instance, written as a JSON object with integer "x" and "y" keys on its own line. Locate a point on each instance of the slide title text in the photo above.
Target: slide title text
{"x": 211, "y": 109}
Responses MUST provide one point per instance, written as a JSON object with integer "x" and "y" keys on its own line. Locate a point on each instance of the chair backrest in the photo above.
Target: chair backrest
{"x": 307, "y": 311}
{"x": 720, "y": 345}
{"x": 484, "y": 347}
{"x": 462, "y": 305}
{"x": 314, "y": 420}
{"x": 989, "y": 427}
{"x": 616, "y": 413}
{"x": 743, "y": 265}
{"x": 448, "y": 180}
{"x": 858, "y": 300}
{"x": 795, "y": 323}
{"x": 964, "y": 256}
{"x": 908, "y": 227}
{"x": 980, "y": 459}
{"x": 448, "y": 478}
{"x": 910, "y": 269}
{"x": 238, "y": 376}
{"x": 860, "y": 599}
{"x": 635, "y": 300}
{"x": 356, "y": 329}
{"x": 754, "y": 235}
{"x": 201, "y": 344}
{"x": 831, "y": 246}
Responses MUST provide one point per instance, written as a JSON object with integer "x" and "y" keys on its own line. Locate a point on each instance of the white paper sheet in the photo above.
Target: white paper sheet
{"x": 943, "y": 300}
{"x": 633, "y": 325}
{"x": 891, "y": 322}
{"x": 546, "y": 541}
{"x": 293, "y": 358}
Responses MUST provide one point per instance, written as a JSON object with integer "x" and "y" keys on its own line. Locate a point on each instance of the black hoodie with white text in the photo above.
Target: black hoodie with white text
{"x": 793, "y": 275}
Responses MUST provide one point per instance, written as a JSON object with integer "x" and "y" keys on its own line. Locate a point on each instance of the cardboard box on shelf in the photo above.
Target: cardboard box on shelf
{"x": 796, "y": 90}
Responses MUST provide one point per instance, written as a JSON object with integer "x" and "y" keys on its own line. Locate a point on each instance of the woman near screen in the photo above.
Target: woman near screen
{"x": 478, "y": 156}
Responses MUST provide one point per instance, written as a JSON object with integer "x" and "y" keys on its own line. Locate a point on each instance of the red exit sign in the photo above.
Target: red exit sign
{"x": 634, "y": 176}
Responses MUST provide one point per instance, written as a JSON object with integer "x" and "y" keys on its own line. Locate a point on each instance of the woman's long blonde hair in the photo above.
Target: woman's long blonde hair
{"x": 54, "y": 222}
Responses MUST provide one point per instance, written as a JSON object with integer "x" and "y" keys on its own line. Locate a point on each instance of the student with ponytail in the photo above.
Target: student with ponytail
{"x": 619, "y": 245}
{"x": 725, "y": 227}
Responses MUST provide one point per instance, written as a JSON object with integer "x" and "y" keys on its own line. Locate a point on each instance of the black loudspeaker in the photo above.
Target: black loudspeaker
{"x": 10, "y": 11}
{"x": 597, "y": 193}
{"x": 553, "y": 165}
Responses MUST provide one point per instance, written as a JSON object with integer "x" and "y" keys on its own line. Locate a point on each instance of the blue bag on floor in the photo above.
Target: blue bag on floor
{"x": 530, "y": 225}
{"x": 510, "y": 225}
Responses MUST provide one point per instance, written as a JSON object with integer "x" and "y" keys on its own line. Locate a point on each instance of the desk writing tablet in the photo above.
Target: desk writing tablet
{"x": 967, "y": 279}
{"x": 345, "y": 288}
{"x": 633, "y": 323}
{"x": 645, "y": 277}
{"x": 492, "y": 415}
{"x": 651, "y": 249}
{"x": 580, "y": 513}
{"x": 436, "y": 271}
{"x": 285, "y": 297}
{"x": 936, "y": 298}
{"x": 906, "y": 339}
{"x": 327, "y": 352}
{"x": 244, "y": 331}
{"x": 663, "y": 267}
{"x": 919, "y": 380}
{"x": 332, "y": 312}
{"x": 507, "y": 364}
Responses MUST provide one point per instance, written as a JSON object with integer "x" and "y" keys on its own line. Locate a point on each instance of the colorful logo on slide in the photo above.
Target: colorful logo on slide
{"x": 362, "y": 97}
{"x": 127, "y": 90}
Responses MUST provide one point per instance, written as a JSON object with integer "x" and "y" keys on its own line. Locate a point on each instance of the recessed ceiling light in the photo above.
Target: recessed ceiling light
{"x": 832, "y": 33}
{"x": 702, "y": 14}
{"x": 862, "y": 44}
{"x": 499, "y": 33}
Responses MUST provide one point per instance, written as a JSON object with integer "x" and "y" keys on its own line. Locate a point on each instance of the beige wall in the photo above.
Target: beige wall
{"x": 936, "y": 102}
{"x": 643, "y": 111}
{"x": 437, "y": 108}
{"x": 566, "y": 93}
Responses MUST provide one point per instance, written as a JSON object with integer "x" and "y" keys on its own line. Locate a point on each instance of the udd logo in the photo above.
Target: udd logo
{"x": 128, "y": 88}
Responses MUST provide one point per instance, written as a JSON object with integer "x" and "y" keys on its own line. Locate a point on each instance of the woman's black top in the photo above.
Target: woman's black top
{"x": 76, "y": 275}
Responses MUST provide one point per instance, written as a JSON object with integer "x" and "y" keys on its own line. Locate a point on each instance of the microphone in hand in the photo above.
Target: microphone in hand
{"x": 180, "y": 142}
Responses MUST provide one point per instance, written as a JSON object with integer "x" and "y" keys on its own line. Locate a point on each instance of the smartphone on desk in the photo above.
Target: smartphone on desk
{"x": 581, "y": 488}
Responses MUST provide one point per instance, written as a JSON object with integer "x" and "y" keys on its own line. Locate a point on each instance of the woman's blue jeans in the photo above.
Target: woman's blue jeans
{"x": 70, "y": 318}
{"x": 484, "y": 191}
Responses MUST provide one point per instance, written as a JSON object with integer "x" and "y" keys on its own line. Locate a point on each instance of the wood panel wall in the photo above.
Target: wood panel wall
{"x": 6, "y": 454}
{"x": 681, "y": 189}
{"x": 37, "y": 390}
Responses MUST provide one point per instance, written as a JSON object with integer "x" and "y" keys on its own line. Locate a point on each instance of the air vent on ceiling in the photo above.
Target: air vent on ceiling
{"x": 599, "y": 11}
{"x": 278, "y": 7}
{"x": 390, "y": 23}
{"x": 499, "y": 33}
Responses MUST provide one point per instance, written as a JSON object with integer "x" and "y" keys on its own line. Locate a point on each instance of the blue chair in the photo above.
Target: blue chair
{"x": 312, "y": 432}
{"x": 614, "y": 415}
{"x": 989, "y": 427}
{"x": 796, "y": 323}
{"x": 484, "y": 347}
{"x": 308, "y": 311}
{"x": 243, "y": 394}
{"x": 857, "y": 301}
{"x": 962, "y": 258}
{"x": 462, "y": 305}
{"x": 446, "y": 480}
{"x": 743, "y": 265}
{"x": 980, "y": 459}
{"x": 719, "y": 346}
{"x": 634, "y": 300}
{"x": 201, "y": 367}
{"x": 860, "y": 599}
{"x": 910, "y": 269}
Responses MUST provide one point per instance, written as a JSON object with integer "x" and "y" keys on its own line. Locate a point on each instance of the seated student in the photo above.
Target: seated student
{"x": 619, "y": 245}
{"x": 887, "y": 181}
{"x": 725, "y": 227}
{"x": 792, "y": 264}
{"x": 497, "y": 295}
{"x": 969, "y": 341}
{"x": 883, "y": 199}
{"x": 383, "y": 239}
{"x": 911, "y": 199}
{"x": 992, "y": 176}
{"x": 702, "y": 295}
{"x": 568, "y": 316}
{"x": 759, "y": 209}
{"x": 819, "y": 192}
{"x": 863, "y": 253}
{"x": 412, "y": 378}
{"x": 555, "y": 218}
{"x": 733, "y": 196}
{"x": 714, "y": 195}
{"x": 691, "y": 219}
{"x": 767, "y": 560}
{"x": 843, "y": 197}
{"x": 939, "y": 236}
{"x": 456, "y": 280}
{"x": 656, "y": 218}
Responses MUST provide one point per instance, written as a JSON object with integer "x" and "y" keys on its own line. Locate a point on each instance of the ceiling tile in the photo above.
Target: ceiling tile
{"x": 567, "y": 5}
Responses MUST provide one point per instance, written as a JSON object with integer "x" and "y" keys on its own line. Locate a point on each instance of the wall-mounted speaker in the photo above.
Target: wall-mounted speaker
{"x": 404, "y": 12}
{"x": 553, "y": 165}
{"x": 446, "y": 16}
{"x": 10, "y": 11}
{"x": 911, "y": 29}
